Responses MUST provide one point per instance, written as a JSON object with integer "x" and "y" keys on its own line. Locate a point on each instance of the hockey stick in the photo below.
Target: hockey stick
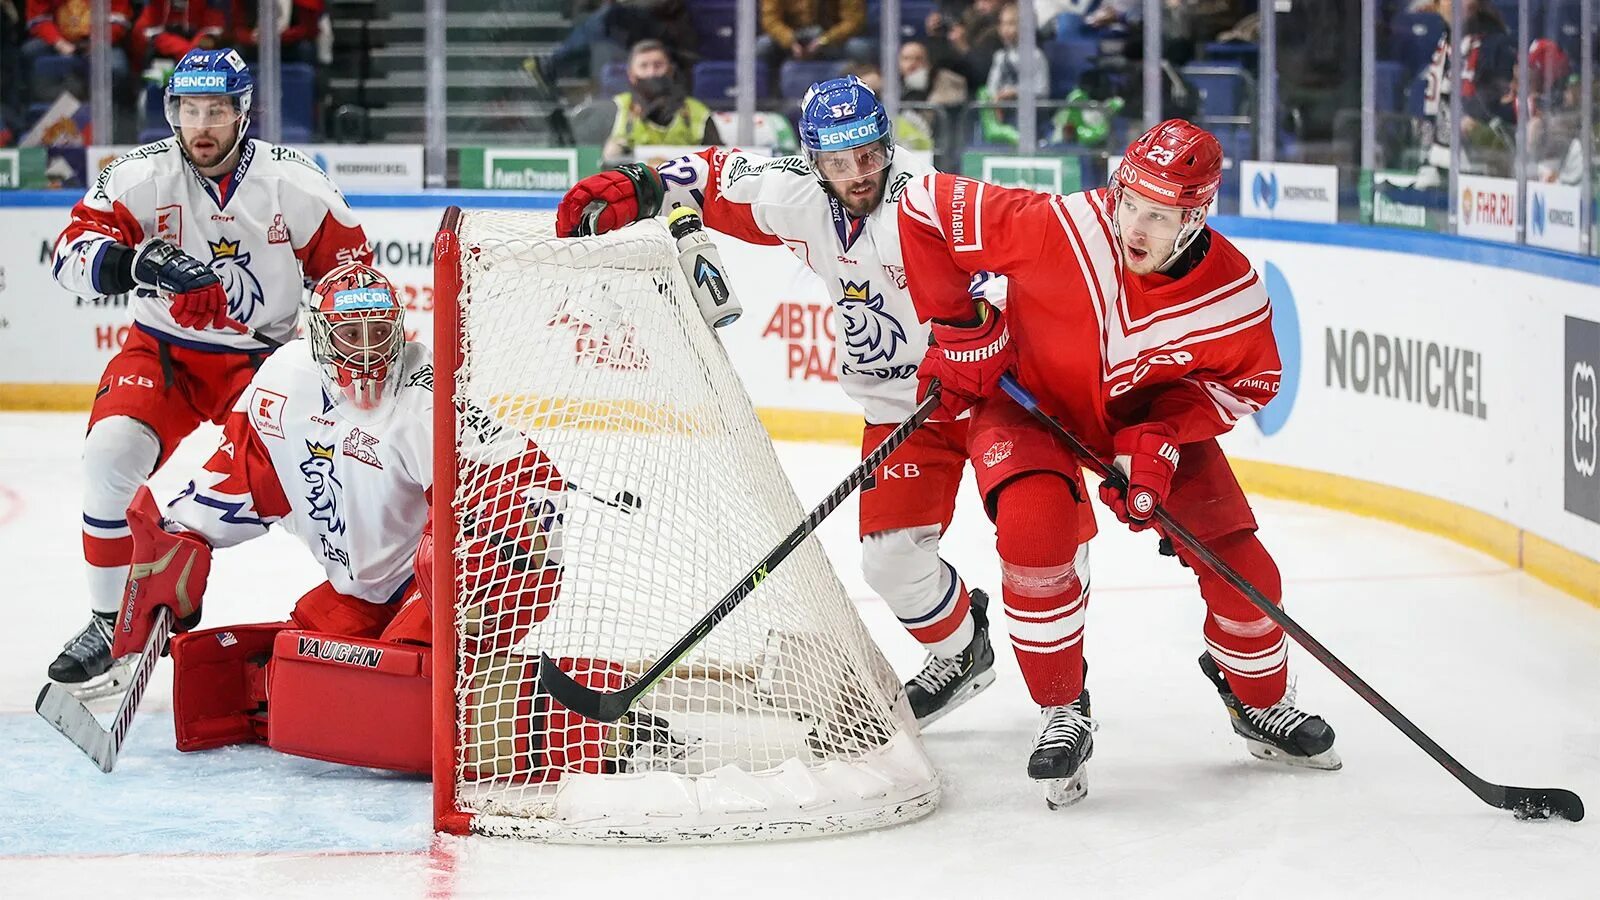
{"x": 69, "y": 716}
{"x": 254, "y": 333}
{"x": 611, "y": 707}
{"x": 1526, "y": 803}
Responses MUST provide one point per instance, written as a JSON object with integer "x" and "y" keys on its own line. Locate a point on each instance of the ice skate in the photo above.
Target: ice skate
{"x": 946, "y": 682}
{"x": 85, "y": 665}
{"x": 1278, "y": 733}
{"x": 1065, "y": 743}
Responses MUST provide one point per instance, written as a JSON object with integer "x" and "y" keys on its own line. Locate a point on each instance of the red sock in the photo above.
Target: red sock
{"x": 1250, "y": 647}
{"x": 1045, "y": 593}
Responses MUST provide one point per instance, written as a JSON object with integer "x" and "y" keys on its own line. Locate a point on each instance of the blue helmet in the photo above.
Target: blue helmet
{"x": 842, "y": 114}
{"x": 211, "y": 73}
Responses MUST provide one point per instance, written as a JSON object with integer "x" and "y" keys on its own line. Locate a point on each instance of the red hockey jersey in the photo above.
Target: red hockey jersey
{"x": 1100, "y": 348}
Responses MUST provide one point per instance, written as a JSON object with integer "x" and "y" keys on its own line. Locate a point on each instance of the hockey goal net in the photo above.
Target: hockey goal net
{"x": 661, "y": 489}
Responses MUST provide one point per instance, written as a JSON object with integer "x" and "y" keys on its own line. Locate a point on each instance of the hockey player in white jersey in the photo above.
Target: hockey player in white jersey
{"x": 212, "y": 235}
{"x": 333, "y": 441}
{"x": 836, "y": 209}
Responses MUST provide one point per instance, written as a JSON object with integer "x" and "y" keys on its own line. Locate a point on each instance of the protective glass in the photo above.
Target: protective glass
{"x": 212, "y": 111}
{"x": 854, "y": 163}
{"x": 1154, "y": 220}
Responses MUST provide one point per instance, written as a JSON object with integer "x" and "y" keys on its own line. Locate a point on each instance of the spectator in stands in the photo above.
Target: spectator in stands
{"x": 1488, "y": 119}
{"x": 949, "y": 44}
{"x": 61, "y": 28}
{"x": 921, "y": 82}
{"x": 606, "y": 34}
{"x": 167, "y": 29}
{"x": 656, "y": 109}
{"x": 1005, "y": 77}
{"x": 1004, "y": 67}
{"x": 299, "y": 22}
{"x": 814, "y": 29}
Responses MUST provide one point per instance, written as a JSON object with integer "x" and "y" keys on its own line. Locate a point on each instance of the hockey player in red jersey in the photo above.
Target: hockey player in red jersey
{"x": 1147, "y": 335}
{"x": 210, "y": 234}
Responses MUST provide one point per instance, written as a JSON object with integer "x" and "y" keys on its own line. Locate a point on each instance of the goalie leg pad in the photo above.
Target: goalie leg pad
{"x": 219, "y": 685}
{"x": 351, "y": 701}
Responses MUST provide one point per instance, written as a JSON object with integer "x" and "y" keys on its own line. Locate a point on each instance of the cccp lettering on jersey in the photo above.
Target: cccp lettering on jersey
{"x": 1175, "y": 358}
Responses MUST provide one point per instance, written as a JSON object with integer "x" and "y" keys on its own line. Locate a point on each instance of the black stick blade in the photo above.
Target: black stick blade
{"x": 586, "y": 702}
{"x": 1543, "y": 803}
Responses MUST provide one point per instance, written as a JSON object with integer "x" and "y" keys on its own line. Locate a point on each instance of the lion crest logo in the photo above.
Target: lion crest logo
{"x": 325, "y": 487}
{"x": 244, "y": 290}
{"x": 870, "y": 334}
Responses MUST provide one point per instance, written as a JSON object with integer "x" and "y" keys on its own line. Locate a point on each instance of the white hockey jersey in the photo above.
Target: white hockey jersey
{"x": 268, "y": 227}
{"x": 351, "y": 485}
{"x": 779, "y": 201}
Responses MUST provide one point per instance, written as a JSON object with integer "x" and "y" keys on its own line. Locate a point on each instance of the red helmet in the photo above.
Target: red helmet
{"x": 357, "y": 328}
{"x": 1176, "y": 163}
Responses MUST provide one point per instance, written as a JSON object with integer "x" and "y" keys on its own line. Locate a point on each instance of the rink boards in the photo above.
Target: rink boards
{"x": 1446, "y": 383}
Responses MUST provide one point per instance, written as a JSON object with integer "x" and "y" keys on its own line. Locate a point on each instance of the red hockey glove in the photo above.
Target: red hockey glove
{"x": 630, "y": 192}
{"x": 192, "y": 287}
{"x": 968, "y": 361}
{"x": 1148, "y": 455}
{"x": 168, "y": 570}
{"x": 205, "y": 308}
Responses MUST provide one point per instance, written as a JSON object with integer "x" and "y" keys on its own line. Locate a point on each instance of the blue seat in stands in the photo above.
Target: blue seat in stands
{"x": 1224, "y": 90}
{"x": 715, "y": 81}
{"x": 794, "y": 77}
{"x": 51, "y": 71}
{"x": 716, "y": 22}
{"x": 1068, "y": 59}
{"x": 298, "y": 110}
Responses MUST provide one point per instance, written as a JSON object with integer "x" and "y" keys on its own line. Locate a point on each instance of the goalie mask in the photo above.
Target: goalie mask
{"x": 357, "y": 329}
{"x": 1165, "y": 184}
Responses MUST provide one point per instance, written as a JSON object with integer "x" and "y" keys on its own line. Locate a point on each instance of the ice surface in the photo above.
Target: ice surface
{"x": 1500, "y": 669}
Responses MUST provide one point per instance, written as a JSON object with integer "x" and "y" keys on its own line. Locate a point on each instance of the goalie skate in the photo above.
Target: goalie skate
{"x": 1064, "y": 745}
{"x": 1278, "y": 733}
{"x": 85, "y": 667}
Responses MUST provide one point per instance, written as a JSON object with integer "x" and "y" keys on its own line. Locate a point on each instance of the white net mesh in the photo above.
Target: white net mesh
{"x": 660, "y": 490}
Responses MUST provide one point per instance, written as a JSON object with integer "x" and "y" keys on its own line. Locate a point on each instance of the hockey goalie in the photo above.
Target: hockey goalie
{"x": 333, "y": 440}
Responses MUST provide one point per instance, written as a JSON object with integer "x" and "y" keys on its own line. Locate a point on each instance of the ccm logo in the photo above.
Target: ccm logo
{"x": 1175, "y": 358}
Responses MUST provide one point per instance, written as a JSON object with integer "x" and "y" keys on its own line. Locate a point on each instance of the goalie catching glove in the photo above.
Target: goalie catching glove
{"x": 630, "y": 192}
{"x": 1148, "y": 455}
{"x": 167, "y": 570}
{"x": 968, "y": 359}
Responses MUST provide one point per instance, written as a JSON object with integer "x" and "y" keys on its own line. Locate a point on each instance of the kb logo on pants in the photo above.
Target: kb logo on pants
{"x": 1582, "y": 425}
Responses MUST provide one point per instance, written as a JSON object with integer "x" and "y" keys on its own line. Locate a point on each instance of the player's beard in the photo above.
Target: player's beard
{"x": 860, "y": 196}
{"x": 1148, "y": 257}
{"x": 214, "y": 150}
